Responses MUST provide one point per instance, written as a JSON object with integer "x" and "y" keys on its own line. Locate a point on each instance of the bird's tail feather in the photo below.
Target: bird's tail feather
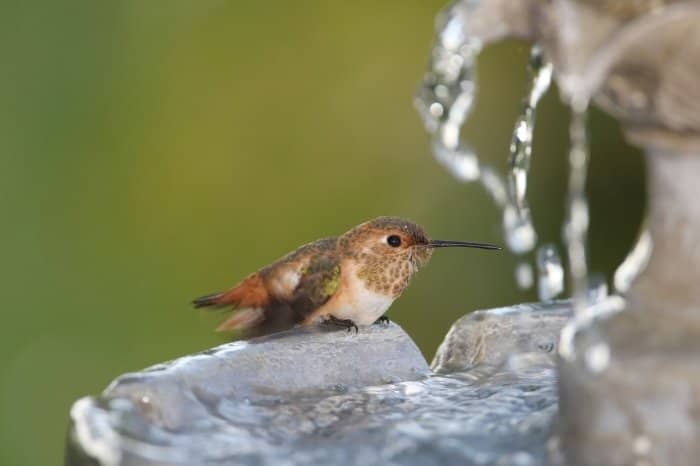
{"x": 255, "y": 311}
{"x": 210, "y": 300}
{"x": 243, "y": 319}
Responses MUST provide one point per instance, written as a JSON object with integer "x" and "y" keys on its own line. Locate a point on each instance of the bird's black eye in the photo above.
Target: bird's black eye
{"x": 394, "y": 241}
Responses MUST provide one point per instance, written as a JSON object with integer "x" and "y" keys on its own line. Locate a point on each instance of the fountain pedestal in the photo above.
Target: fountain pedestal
{"x": 641, "y": 403}
{"x": 630, "y": 380}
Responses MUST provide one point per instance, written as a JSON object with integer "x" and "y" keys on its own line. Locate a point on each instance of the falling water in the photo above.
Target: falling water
{"x": 446, "y": 96}
{"x": 517, "y": 220}
{"x": 445, "y": 100}
{"x": 576, "y": 223}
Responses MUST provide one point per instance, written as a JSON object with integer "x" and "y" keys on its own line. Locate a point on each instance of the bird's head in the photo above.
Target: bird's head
{"x": 389, "y": 250}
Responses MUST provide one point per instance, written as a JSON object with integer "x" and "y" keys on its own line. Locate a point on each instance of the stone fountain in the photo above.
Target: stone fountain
{"x": 623, "y": 370}
{"x": 629, "y": 379}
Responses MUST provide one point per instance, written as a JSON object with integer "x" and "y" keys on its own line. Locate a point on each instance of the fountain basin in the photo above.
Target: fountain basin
{"x": 361, "y": 399}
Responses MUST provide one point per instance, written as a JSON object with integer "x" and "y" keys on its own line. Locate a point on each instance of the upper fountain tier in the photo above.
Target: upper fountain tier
{"x": 638, "y": 59}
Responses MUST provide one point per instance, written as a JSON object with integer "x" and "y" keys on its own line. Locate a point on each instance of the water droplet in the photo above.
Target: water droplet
{"x": 597, "y": 357}
{"x": 524, "y": 276}
{"x": 519, "y": 232}
{"x": 436, "y": 109}
{"x": 550, "y": 273}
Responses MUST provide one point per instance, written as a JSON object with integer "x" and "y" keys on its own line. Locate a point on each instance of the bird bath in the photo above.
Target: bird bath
{"x": 624, "y": 374}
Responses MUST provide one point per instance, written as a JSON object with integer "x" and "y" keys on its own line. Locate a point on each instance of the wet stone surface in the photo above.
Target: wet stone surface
{"x": 492, "y": 337}
{"x": 495, "y": 413}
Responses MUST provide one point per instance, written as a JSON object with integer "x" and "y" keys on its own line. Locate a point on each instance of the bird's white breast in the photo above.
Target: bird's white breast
{"x": 361, "y": 304}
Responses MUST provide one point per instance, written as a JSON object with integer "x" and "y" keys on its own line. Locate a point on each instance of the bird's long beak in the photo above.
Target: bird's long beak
{"x": 437, "y": 243}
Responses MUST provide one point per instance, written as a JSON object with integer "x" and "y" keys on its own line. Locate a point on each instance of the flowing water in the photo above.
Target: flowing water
{"x": 445, "y": 101}
{"x": 473, "y": 418}
{"x": 446, "y": 97}
{"x": 517, "y": 220}
{"x": 577, "y": 218}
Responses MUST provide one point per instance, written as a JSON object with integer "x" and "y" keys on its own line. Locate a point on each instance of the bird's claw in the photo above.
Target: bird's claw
{"x": 347, "y": 324}
{"x": 384, "y": 320}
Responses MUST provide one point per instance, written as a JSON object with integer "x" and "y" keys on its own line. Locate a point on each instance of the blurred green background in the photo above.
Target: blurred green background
{"x": 153, "y": 151}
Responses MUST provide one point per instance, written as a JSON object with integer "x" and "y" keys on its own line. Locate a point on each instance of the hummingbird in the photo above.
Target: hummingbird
{"x": 343, "y": 281}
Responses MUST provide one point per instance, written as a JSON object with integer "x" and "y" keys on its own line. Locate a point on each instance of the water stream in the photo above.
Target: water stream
{"x": 577, "y": 218}
{"x": 445, "y": 100}
{"x": 519, "y": 231}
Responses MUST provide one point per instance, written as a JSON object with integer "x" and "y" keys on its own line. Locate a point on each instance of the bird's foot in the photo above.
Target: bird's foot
{"x": 347, "y": 324}
{"x": 382, "y": 320}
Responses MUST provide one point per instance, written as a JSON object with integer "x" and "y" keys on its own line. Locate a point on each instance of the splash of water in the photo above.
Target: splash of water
{"x": 550, "y": 282}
